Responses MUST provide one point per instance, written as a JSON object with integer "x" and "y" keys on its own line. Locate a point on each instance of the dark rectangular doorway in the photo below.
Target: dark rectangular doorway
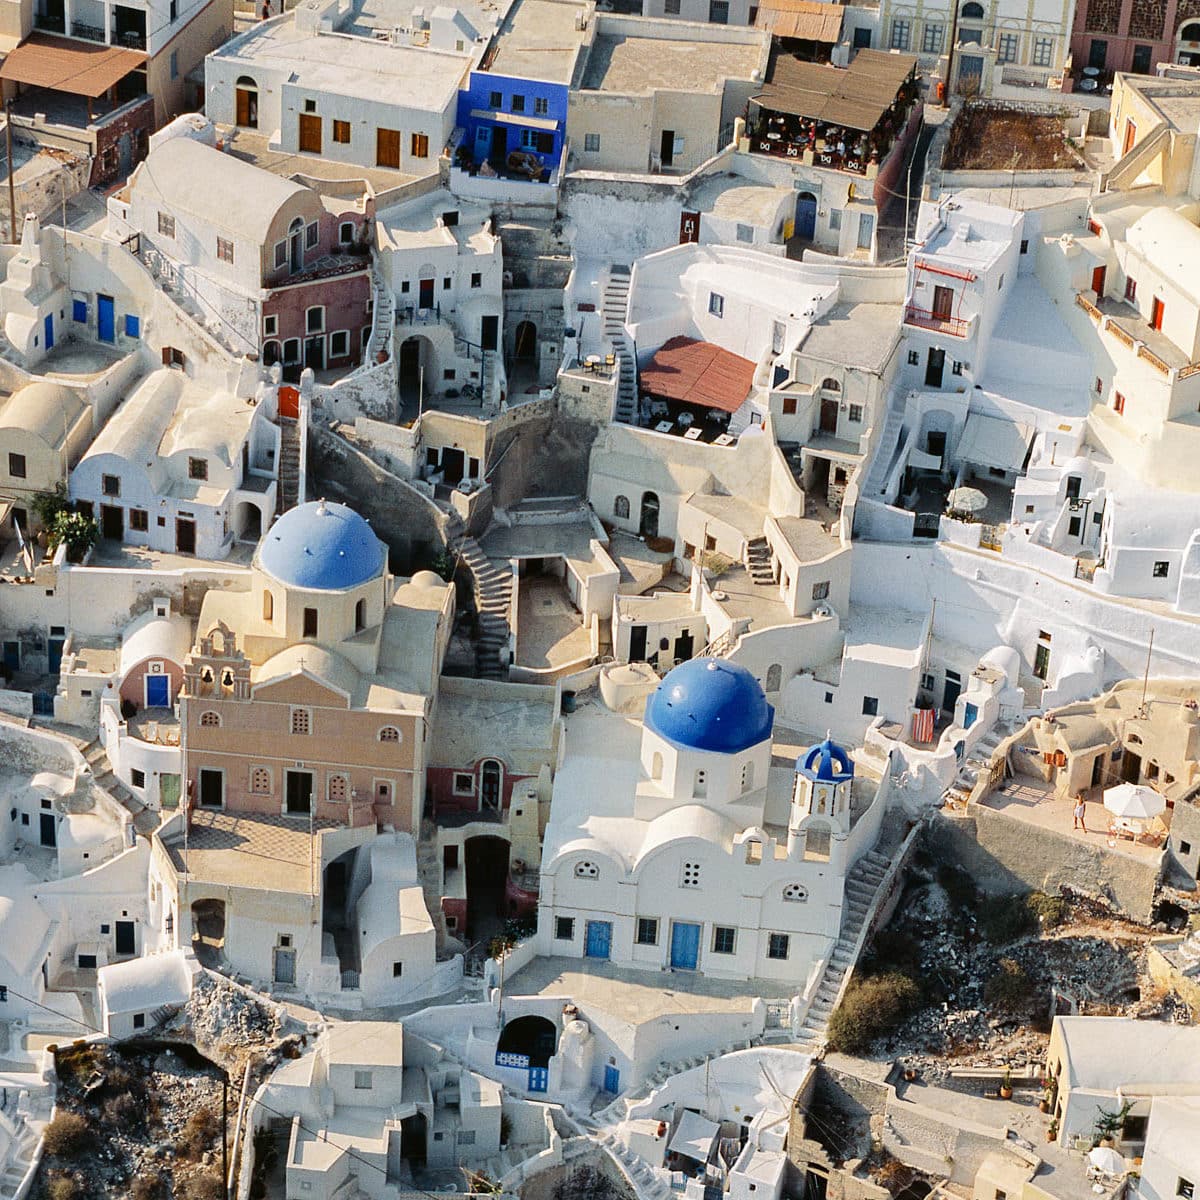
{"x": 185, "y": 536}
{"x": 126, "y": 939}
{"x": 112, "y": 522}
{"x": 934, "y": 367}
{"x": 49, "y": 830}
{"x": 212, "y": 788}
{"x": 299, "y": 793}
{"x": 666, "y": 147}
{"x": 637, "y": 644}
{"x": 489, "y": 333}
{"x": 425, "y": 293}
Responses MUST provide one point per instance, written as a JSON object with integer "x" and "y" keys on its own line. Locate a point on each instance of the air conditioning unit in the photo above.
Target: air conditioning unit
{"x": 822, "y": 610}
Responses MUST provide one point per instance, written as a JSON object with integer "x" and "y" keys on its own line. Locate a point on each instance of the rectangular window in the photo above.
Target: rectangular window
{"x": 518, "y": 103}
{"x": 716, "y": 304}
{"x": 1185, "y": 1188}
{"x": 476, "y": 279}
{"x": 362, "y": 1081}
{"x": 914, "y": 358}
{"x": 671, "y": 8}
{"x": 16, "y": 465}
{"x": 138, "y": 520}
{"x": 270, "y": 325}
{"x": 1161, "y": 569}
{"x": 591, "y": 143}
{"x": 281, "y": 254}
{"x": 339, "y": 343}
{"x": 789, "y": 406}
{"x": 174, "y": 64}
{"x": 777, "y": 945}
{"x": 931, "y": 39}
{"x": 1043, "y": 51}
{"x": 137, "y": 777}
{"x": 821, "y": 590}
{"x": 724, "y": 938}
{"x": 420, "y": 145}
{"x": 79, "y": 311}
{"x": 464, "y": 784}
{"x": 718, "y": 12}
{"x": 691, "y": 875}
{"x": 224, "y": 250}
{"x": 310, "y": 622}
{"x": 465, "y": 1137}
{"x": 314, "y": 319}
{"x": 900, "y": 34}
{"x": 110, "y": 485}
{"x": 1118, "y": 403}
{"x": 139, "y": 1020}
{"x": 1131, "y": 290}
{"x": 341, "y": 132}
{"x": 166, "y": 224}
{"x": 856, "y": 414}
{"x": 174, "y": 10}
{"x": 870, "y": 706}
{"x": 564, "y": 929}
{"x": 647, "y": 931}
{"x": 197, "y": 468}
{"x": 312, "y": 235}
{"x": 387, "y": 148}
{"x": 302, "y": 717}
{"x": 496, "y": 100}
{"x": 541, "y": 106}
{"x": 1008, "y": 47}
{"x": 397, "y": 970}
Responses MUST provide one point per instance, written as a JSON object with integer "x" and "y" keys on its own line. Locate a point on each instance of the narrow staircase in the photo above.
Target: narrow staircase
{"x": 886, "y": 449}
{"x": 614, "y": 310}
{"x": 288, "y": 494}
{"x": 145, "y": 820}
{"x": 492, "y": 586}
{"x": 758, "y": 561}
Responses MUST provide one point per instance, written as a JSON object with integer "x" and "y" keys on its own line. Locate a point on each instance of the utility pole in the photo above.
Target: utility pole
{"x": 225, "y": 1132}
{"x": 950, "y": 55}
{"x": 12, "y": 187}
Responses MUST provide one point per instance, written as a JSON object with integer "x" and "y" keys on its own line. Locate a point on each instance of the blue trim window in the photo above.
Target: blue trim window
{"x": 79, "y": 311}
{"x": 133, "y": 326}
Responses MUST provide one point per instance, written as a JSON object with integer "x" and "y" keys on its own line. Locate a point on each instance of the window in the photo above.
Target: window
{"x": 496, "y": 100}
{"x": 314, "y": 319}
{"x": 691, "y": 875}
{"x": 745, "y": 233}
{"x": 301, "y": 721}
{"x": 931, "y": 40}
{"x": 748, "y": 768}
{"x": 1185, "y": 1188}
{"x": 476, "y": 279}
{"x": 447, "y": 283}
{"x": 795, "y": 892}
{"x": 621, "y": 508}
{"x": 718, "y": 12}
{"x": 281, "y": 254}
{"x": 835, "y": 220}
{"x": 397, "y": 970}
{"x": 110, "y": 485}
{"x": 346, "y": 232}
{"x": 647, "y": 931}
{"x": 789, "y": 406}
{"x": 139, "y": 1020}
{"x": 914, "y": 358}
{"x": 137, "y": 778}
{"x": 671, "y": 8}
{"x": 1131, "y": 290}
{"x": 716, "y": 304}
{"x": 270, "y": 326}
{"x": 777, "y": 945}
{"x": 419, "y": 145}
{"x": 362, "y": 1081}
{"x": 1043, "y": 51}
{"x": 133, "y": 326}
{"x": 339, "y": 344}
{"x": 198, "y": 468}
{"x": 464, "y": 784}
{"x": 1185, "y": 847}
{"x": 210, "y": 720}
{"x": 465, "y": 1137}
{"x": 1118, "y": 403}
{"x": 79, "y": 311}
{"x": 724, "y": 939}
{"x": 821, "y": 590}
{"x": 312, "y": 235}
{"x": 341, "y": 132}
{"x": 389, "y": 733}
{"x": 956, "y": 368}
{"x": 139, "y": 521}
{"x": 856, "y": 414}
{"x": 224, "y": 250}
{"x": 564, "y": 929}
{"x": 174, "y": 64}
{"x": 166, "y": 224}
{"x": 174, "y": 10}
{"x": 339, "y": 789}
{"x": 518, "y": 103}
{"x": 1161, "y": 569}
{"x": 587, "y": 870}
{"x": 541, "y": 106}
{"x": 900, "y": 31}
{"x": 870, "y": 706}
{"x": 1008, "y": 47}
{"x": 591, "y": 143}
{"x": 1133, "y": 1129}
{"x": 16, "y": 465}
{"x": 1024, "y": 245}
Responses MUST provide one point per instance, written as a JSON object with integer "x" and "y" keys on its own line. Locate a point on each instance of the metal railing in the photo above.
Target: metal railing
{"x": 924, "y": 319}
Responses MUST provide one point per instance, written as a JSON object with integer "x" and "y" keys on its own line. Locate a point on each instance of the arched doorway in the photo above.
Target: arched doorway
{"x": 491, "y": 778}
{"x": 337, "y": 915}
{"x": 648, "y": 524}
{"x": 247, "y": 522}
{"x": 208, "y": 931}
{"x": 525, "y": 340}
{"x": 246, "y": 102}
{"x": 806, "y": 216}
{"x": 296, "y": 246}
{"x": 415, "y": 370}
{"x": 774, "y": 677}
{"x": 1187, "y": 51}
{"x": 534, "y": 1038}
{"x": 487, "y": 880}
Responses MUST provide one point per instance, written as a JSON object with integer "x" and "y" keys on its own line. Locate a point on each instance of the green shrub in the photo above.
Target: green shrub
{"x": 1049, "y": 910}
{"x": 64, "y": 1187}
{"x": 77, "y": 530}
{"x": 76, "y": 1062}
{"x": 1011, "y": 988}
{"x": 67, "y": 1136}
{"x": 202, "y": 1129}
{"x": 871, "y": 1008}
{"x": 1006, "y": 918}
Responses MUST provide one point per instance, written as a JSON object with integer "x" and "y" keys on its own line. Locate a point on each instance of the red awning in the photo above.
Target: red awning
{"x": 65, "y": 65}
{"x": 700, "y": 373}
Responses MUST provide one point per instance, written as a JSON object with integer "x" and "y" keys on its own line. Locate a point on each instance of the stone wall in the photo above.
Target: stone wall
{"x": 547, "y": 456}
{"x": 1006, "y": 856}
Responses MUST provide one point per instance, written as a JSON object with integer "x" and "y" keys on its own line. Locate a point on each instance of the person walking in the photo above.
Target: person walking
{"x": 266, "y": 9}
{"x": 1080, "y": 813}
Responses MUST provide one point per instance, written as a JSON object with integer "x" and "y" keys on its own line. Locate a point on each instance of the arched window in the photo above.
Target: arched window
{"x": 339, "y": 789}
{"x": 268, "y": 606}
{"x": 389, "y": 733}
{"x": 271, "y": 353}
{"x": 210, "y": 720}
{"x": 360, "y": 615}
{"x": 774, "y": 677}
{"x": 971, "y": 11}
{"x": 831, "y": 385}
{"x": 621, "y": 508}
{"x": 297, "y": 225}
{"x": 795, "y": 892}
{"x": 587, "y": 870}
{"x": 260, "y": 781}
{"x": 1190, "y": 33}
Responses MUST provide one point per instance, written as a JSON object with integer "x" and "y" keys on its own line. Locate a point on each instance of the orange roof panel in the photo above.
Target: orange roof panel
{"x": 693, "y": 372}
{"x": 66, "y": 65}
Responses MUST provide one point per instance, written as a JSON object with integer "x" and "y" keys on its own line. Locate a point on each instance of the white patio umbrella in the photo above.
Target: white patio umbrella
{"x": 1134, "y": 802}
{"x": 1106, "y": 1160}
{"x": 966, "y": 500}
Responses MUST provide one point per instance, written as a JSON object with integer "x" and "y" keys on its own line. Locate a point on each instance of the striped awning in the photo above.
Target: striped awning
{"x": 65, "y": 65}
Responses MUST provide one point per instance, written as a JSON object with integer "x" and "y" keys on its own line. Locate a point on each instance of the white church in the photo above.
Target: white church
{"x": 673, "y": 843}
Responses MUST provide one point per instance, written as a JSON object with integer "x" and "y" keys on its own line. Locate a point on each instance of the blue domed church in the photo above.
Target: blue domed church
{"x": 682, "y": 846}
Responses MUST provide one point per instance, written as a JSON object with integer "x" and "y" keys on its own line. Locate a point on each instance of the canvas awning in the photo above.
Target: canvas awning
{"x": 694, "y": 1137}
{"x": 700, "y": 373}
{"x": 808, "y": 19}
{"x": 993, "y": 442}
{"x": 64, "y": 65}
{"x": 520, "y": 119}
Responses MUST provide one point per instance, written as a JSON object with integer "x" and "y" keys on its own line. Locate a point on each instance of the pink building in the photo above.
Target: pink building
{"x": 1134, "y": 35}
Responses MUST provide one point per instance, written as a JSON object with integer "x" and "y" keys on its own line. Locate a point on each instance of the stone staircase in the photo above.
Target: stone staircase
{"x": 886, "y": 448}
{"x": 861, "y": 885}
{"x": 614, "y": 309}
{"x": 288, "y": 493}
{"x": 758, "y": 561}
{"x": 145, "y": 820}
{"x": 383, "y": 320}
{"x": 18, "y": 1159}
{"x": 979, "y": 757}
{"x": 492, "y": 586}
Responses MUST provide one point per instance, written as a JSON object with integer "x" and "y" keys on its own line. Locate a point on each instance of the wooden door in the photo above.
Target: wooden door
{"x": 310, "y": 133}
{"x": 1156, "y": 314}
{"x": 943, "y": 302}
{"x": 1098, "y": 274}
{"x": 387, "y": 148}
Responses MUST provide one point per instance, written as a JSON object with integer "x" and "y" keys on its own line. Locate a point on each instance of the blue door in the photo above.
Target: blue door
{"x": 158, "y": 691}
{"x": 970, "y": 715}
{"x": 106, "y": 323}
{"x": 483, "y": 141}
{"x": 539, "y": 1079}
{"x": 12, "y": 655}
{"x": 685, "y": 946}
{"x": 599, "y": 939}
{"x": 806, "y": 215}
{"x": 54, "y": 653}
{"x": 49, "y": 326}
{"x": 612, "y": 1079}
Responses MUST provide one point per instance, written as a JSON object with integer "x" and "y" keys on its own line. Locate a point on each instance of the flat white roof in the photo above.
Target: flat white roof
{"x": 1106, "y": 1053}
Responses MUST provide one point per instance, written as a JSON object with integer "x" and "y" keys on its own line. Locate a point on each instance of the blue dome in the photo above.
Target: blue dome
{"x": 326, "y": 547}
{"x": 710, "y": 704}
{"x": 827, "y": 762}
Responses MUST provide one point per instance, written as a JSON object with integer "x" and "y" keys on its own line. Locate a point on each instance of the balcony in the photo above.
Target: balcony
{"x": 922, "y": 318}
{"x": 50, "y": 22}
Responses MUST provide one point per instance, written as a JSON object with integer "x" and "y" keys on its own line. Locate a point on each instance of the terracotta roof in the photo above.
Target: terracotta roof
{"x": 698, "y": 373}
{"x": 66, "y": 65}
{"x": 809, "y": 19}
{"x": 855, "y": 96}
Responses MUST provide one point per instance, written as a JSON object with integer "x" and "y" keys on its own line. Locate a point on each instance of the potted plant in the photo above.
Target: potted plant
{"x": 1052, "y": 1131}
{"x": 1006, "y": 1088}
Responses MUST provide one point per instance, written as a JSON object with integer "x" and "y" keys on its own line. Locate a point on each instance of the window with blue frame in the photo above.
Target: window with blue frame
{"x": 133, "y": 326}
{"x": 79, "y": 311}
